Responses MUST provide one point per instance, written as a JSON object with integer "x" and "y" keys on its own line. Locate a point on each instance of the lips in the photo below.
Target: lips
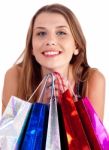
{"x": 51, "y": 53}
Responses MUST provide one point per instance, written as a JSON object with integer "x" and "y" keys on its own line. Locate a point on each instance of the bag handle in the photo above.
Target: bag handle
{"x": 53, "y": 86}
{"x": 62, "y": 82}
{"x": 44, "y": 86}
{"x": 43, "y": 89}
{"x": 45, "y": 78}
{"x": 50, "y": 75}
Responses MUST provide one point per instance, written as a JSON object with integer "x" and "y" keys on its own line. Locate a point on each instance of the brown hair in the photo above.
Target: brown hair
{"x": 31, "y": 69}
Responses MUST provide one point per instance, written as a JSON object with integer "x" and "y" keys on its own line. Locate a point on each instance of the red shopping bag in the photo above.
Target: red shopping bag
{"x": 76, "y": 137}
{"x": 94, "y": 129}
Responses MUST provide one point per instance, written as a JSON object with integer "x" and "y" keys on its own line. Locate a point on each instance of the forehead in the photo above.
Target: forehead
{"x": 53, "y": 19}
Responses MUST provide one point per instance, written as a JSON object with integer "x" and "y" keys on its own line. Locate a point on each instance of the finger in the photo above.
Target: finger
{"x": 48, "y": 95}
{"x": 62, "y": 83}
{"x": 50, "y": 82}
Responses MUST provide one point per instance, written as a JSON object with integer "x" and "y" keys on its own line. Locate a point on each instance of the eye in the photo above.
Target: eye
{"x": 61, "y": 33}
{"x": 41, "y": 34}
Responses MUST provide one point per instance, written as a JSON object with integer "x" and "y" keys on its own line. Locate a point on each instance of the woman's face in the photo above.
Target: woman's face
{"x": 52, "y": 42}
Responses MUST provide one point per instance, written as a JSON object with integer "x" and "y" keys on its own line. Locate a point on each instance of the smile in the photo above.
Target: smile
{"x": 51, "y": 53}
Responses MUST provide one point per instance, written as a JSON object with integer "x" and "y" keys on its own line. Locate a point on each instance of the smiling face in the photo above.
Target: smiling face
{"x": 52, "y": 42}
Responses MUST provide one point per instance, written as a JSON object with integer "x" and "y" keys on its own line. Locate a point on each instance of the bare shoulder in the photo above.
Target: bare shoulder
{"x": 96, "y": 77}
{"x": 96, "y": 91}
{"x": 12, "y": 77}
{"x": 10, "y": 86}
{"x": 13, "y": 72}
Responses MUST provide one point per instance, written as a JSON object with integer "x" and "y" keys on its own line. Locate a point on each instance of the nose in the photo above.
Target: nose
{"x": 51, "y": 40}
{"x": 50, "y": 43}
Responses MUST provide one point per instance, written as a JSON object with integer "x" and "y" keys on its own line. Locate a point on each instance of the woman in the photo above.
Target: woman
{"x": 55, "y": 42}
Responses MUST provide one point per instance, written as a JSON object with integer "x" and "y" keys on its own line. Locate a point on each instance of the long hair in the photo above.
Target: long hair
{"x": 31, "y": 70}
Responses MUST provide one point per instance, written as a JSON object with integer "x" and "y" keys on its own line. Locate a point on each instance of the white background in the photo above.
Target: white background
{"x": 15, "y": 16}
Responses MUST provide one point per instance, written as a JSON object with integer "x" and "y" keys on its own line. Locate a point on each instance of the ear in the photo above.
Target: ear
{"x": 76, "y": 52}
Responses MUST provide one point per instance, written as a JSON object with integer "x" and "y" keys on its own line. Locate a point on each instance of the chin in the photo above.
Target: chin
{"x": 53, "y": 68}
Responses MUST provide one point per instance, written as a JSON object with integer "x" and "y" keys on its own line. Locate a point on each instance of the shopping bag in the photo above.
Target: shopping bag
{"x": 53, "y": 133}
{"x": 35, "y": 135}
{"x": 12, "y": 122}
{"x": 76, "y": 137}
{"x": 93, "y": 126}
{"x": 36, "y": 131}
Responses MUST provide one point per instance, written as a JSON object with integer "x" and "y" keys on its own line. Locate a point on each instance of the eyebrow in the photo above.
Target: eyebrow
{"x": 61, "y": 27}
{"x": 45, "y": 27}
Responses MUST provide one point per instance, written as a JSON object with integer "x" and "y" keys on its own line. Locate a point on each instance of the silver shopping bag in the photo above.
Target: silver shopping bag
{"x": 53, "y": 135}
{"x": 12, "y": 122}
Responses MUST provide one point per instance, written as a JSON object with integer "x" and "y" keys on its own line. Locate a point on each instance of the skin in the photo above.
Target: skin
{"x": 53, "y": 36}
{"x": 52, "y": 33}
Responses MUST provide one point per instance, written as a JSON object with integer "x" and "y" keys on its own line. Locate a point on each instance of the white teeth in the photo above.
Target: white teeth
{"x": 51, "y": 53}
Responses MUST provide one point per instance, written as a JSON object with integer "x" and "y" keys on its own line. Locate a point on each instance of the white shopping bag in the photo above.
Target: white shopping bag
{"x": 53, "y": 134}
{"x": 12, "y": 122}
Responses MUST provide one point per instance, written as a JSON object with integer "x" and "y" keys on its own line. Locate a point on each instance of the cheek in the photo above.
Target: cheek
{"x": 69, "y": 52}
{"x": 69, "y": 44}
{"x": 37, "y": 45}
{"x": 35, "y": 48}
{"x": 70, "y": 49}
{"x": 69, "y": 57}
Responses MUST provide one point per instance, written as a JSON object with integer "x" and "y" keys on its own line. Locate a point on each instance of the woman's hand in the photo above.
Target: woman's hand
{"x": 60, "y": 86}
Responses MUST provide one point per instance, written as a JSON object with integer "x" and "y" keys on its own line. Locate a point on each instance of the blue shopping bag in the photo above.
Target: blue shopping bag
{"x": 35, "y": 136}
